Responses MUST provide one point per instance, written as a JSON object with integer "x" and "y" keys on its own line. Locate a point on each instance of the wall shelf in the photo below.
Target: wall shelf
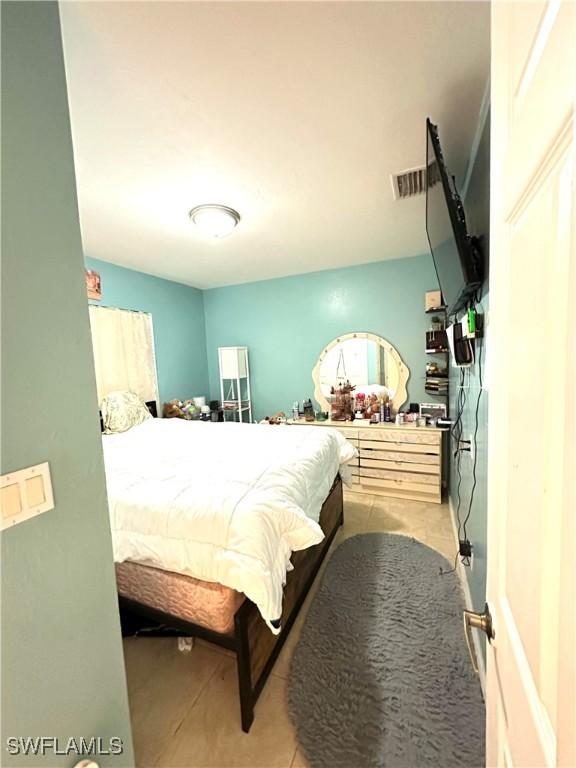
{"x": 235, "y": 382}
{"x": 440, "y": 377}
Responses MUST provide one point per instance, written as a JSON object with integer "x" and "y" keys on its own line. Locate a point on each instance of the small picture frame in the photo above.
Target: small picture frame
{"x": 93, "y": 284}
{"x": 433, "y": 300}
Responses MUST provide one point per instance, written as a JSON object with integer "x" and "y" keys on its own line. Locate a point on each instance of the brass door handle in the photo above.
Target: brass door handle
{"x": 482, "y": 621}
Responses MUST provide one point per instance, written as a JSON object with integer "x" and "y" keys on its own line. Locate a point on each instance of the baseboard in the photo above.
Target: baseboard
{"x": 461, "y": 571}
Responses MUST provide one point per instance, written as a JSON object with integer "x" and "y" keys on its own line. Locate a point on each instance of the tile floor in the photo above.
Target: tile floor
{"x": 184, "y": 706}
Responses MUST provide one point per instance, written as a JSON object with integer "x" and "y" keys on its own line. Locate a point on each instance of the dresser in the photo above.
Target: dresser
{"x": 402, "y": 461}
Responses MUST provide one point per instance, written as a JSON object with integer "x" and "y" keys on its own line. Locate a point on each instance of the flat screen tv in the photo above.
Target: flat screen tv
{"x": 457, "y": 257}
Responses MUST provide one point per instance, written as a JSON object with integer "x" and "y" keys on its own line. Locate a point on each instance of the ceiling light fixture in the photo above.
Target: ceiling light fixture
{"x": 214, "y": 220}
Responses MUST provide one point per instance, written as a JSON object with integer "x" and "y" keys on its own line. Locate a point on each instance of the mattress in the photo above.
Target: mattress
{"x": 223, "y": 503}
{"x": 201, "y": 602}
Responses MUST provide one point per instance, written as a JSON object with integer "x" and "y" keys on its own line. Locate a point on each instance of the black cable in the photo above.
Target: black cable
{"x": 457, "y": 420}
{"x": 459, "y": 408}
{"x": 474, "y": 479}
{"x": 456, "y": 434}
{"x": 458, "y": 451}
{"x": 459, "y": 498}
{"x": 444, "y": 573}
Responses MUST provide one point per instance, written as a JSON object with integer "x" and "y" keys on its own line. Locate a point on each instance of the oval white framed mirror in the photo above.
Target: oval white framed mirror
{"x": 367, "y": 361}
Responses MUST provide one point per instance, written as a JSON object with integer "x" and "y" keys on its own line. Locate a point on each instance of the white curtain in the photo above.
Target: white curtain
{"x": 123, "y": 344}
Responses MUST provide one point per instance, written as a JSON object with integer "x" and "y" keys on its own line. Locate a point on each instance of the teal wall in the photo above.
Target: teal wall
{"x": 178, "y": 318}
{"x": 286, "y": 323}
{"x": 62, "y": 664}
{"x": 477, "y": 205}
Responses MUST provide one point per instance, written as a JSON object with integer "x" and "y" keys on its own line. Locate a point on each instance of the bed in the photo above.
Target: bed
{"x": 219, "y": 530}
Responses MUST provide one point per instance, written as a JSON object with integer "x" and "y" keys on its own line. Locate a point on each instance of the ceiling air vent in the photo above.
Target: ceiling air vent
{"x": 409, "y": 183}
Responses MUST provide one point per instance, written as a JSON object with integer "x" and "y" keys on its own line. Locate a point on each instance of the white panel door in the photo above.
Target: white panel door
{"x": 531, "y": 716}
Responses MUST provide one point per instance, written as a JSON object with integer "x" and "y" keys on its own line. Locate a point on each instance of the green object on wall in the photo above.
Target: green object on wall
{"x": 286, "y": 323}
{"x": 178, "y": 317}
{"x": 62, "y": 664}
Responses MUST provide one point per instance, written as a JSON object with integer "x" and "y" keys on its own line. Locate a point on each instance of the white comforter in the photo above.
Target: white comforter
{"x": 226, "y": 503}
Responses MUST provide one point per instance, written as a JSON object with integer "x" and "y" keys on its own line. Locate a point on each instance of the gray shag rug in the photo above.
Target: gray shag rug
{"x": 381, "y": 675}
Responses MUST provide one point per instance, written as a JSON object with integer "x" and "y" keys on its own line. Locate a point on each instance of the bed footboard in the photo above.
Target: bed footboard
{"x": 258, "y": 648}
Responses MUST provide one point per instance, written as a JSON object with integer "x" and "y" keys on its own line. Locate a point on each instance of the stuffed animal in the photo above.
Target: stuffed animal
{"x": 176, "y": 409}
{"x": 190, "y": 410}
{"x": 278, "y": 418}
{"x": 372, "y": 406}
{"x": 172, "y": 410}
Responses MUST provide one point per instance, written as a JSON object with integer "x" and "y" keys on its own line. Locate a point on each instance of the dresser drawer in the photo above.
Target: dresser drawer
{"x": 425, "y": 490}
{"x": 403, "y": 466}
{"x": 402, "y": 463}
{"x": 399, "y": 457}
{"x": 398, "y": 476}
{"x": 393, "y": 461}
{"x": 420, "y": 437}
{"x": 419, "y": 454}
{"x": 408, "y": 457}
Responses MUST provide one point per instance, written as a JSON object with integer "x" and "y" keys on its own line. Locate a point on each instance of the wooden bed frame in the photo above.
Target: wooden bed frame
{"x": 255, "y": 646}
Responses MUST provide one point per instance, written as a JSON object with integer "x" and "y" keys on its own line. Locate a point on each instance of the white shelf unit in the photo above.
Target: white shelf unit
{"x": 235, "y": 382}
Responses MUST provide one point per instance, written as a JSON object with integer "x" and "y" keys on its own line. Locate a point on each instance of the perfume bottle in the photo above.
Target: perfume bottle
{"x": 308, "y": 410}
{"x": 387, "y": 412}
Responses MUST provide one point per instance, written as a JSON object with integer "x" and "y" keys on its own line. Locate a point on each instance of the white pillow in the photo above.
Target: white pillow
{"x": 122, "y": 411}
{"x": 373, "y": 389}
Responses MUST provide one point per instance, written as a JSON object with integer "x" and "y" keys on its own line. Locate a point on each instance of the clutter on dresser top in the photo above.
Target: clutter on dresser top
{"x": 362, "y": 409}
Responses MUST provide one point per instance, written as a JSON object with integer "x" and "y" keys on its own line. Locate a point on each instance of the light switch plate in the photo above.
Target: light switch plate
{"x": 25, "y": 494}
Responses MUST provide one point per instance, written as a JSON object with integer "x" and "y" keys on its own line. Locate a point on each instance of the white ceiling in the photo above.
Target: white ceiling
{"x": 294, "y": 113}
